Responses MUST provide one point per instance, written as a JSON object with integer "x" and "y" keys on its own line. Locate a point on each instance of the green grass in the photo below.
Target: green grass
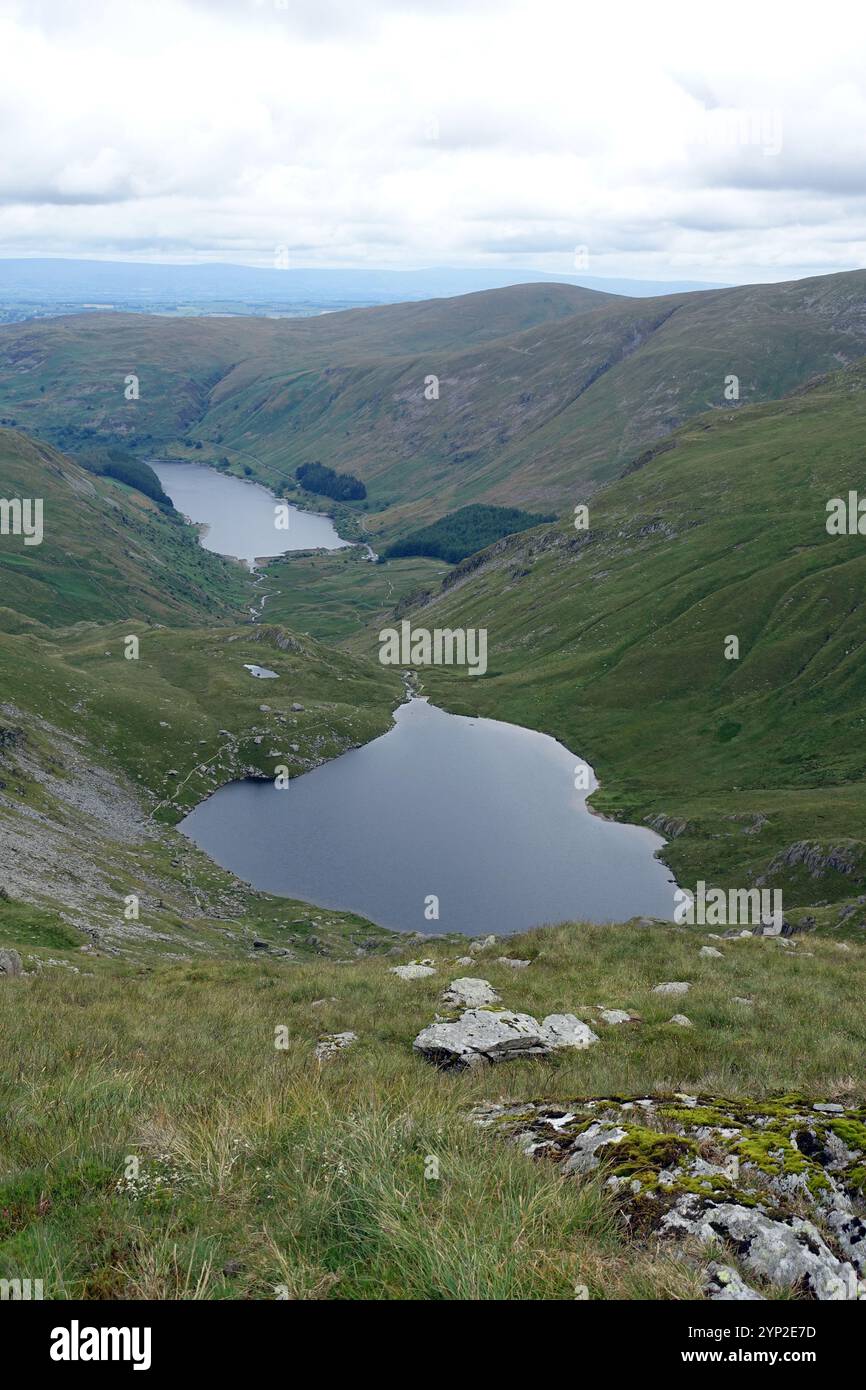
{"x": 335, "y": 595}
{"x": 313, "y": 1177}
{"x": 23, "y": 925}
{"x": 184, "y": 717}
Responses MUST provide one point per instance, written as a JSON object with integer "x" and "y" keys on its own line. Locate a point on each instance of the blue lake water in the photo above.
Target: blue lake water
{"x": 238, "y": 517}
{"x": 483, "y": 815}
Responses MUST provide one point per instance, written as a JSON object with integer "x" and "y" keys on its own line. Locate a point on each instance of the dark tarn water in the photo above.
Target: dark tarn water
{"x": 239, "y": 516}
{"x": 482, "y": 814}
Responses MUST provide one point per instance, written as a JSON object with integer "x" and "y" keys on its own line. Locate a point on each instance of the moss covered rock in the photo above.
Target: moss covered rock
{"x": 746, "y": 1172}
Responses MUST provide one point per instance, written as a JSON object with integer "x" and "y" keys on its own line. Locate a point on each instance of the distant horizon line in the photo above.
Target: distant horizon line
{"x": 372, "y": 269}
{"x": 406, "y": 272}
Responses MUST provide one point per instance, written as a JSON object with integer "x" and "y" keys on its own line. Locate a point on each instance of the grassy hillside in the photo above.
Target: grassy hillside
{"x": 543, "y": 393}
{"x": 66, "y": 377}
{"x": 108, "y": 551}
{"x": 263, "y": 1174}
{"x": 614, "y": 641}
{"x": 99, "y": 755}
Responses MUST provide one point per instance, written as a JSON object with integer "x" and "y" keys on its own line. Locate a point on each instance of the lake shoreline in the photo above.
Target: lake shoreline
{"x": 231, "y": 513}
{"x": 531, "y": 838}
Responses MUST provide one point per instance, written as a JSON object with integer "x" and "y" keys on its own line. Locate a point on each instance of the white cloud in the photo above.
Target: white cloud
{"x": 672, "y": 140}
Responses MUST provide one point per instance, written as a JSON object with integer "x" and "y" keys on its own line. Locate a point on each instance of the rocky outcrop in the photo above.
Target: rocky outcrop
{"x": 668, "y": 826}
{"x": 10, "y": 736}
{"x": 789, "y": 1252}
{"x": 818, "y": 859}
{"x": 276, "y": 637}
{"x": 482, "y": 1035}
{"x": 782, "y": 1182}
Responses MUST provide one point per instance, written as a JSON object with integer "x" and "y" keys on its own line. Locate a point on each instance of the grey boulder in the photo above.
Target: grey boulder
{"x": 415, "y": 970}
{"x": 484, "y": 1035}
{"x": 615, "y": 1016}
{"x": 481, "y": 943}
{"x": 470, "y": 993}
{"x": 10, "y": 963}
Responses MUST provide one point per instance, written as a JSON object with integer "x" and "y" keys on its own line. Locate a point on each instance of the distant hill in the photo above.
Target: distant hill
{"x": 41, "y": 284}
{"x": 530, "y": 396}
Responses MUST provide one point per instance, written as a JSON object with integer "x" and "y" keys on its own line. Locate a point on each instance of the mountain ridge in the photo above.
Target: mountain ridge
{"x": 434, "y": 404}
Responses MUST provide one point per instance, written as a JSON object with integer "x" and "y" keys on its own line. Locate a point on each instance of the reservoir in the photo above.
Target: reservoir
{"x": 238, "y": 517}
{"x": 483, "y": 816}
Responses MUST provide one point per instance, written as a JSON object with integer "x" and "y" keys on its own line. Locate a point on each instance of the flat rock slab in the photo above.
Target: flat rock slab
{"x": 672, "y": 987}
{"x": 470, "y": 993}
{"x": 616, "y": 1016}
{"x": 513, "y": 962}
{"x": 333, "y": 1043}
{"x": 486, "y": 1035}
{"x": 414, "y": 971}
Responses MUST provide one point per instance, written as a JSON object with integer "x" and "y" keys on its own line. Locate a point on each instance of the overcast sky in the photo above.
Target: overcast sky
{"x": 707, "y": 141}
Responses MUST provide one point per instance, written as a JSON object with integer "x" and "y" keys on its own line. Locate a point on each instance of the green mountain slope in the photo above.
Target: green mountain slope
{"x": 107, "y": 551}
{"x": 544, "y": 392}
{"x": 614, "y": 640}
{"x": 67, "y": 375}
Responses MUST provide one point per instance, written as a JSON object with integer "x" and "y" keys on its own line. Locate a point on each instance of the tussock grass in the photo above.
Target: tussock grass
{"x": 263, "y": 1174}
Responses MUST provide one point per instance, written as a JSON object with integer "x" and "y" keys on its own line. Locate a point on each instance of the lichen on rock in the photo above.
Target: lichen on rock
{"x": 782, "y": 1182}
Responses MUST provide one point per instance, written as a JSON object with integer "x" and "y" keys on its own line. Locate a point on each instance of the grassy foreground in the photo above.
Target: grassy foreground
{"x": 262, "y": 1173}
